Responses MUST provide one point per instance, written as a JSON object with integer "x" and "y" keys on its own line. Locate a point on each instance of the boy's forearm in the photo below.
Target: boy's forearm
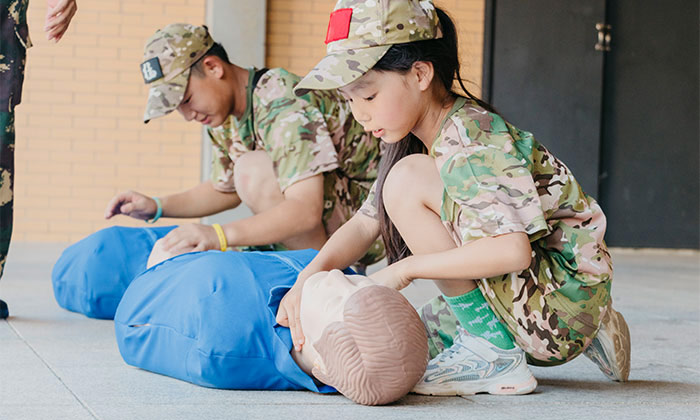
{"x": 202, "y": 200}
{"x": 286, "y": 220}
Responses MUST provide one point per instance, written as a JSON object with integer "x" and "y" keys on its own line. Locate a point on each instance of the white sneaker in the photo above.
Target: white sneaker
{"x": 473, "y": 365}
{"x": 610, "y": 349}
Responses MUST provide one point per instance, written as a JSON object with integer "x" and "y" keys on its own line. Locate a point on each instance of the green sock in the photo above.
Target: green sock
{"x": 476, "y": 316}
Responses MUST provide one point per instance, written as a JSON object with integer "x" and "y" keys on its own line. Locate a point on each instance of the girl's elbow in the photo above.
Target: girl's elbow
{"x": 522, "y": 254}
{"x": 523, "y": 262}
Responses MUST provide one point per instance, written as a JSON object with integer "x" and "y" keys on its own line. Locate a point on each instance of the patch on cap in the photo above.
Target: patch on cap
{"x": 339, "y": 25}
{"x": 151, "y": 71}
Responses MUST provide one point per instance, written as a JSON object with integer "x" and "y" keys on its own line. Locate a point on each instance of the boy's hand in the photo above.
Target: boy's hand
{"x": 59, "y": 13}
{"x": 132, "y": 204}
{"x": 288, "y": 314}
{"x": 193, "y": 237}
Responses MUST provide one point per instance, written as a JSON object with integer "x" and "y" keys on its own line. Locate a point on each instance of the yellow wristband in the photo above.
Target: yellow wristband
{"x": 222, "y": 238}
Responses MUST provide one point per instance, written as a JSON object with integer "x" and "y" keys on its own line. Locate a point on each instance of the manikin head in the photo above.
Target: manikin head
{"x": 363, "y": 339}
{"x": 186, "y": 70}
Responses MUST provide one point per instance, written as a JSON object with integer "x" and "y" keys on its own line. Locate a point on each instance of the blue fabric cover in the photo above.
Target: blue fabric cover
{"x": 209, "y": 318}
{"x": 91, "y": 275}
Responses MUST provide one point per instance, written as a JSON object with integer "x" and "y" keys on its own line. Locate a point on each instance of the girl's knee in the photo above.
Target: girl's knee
{"x": 414, "y": 178}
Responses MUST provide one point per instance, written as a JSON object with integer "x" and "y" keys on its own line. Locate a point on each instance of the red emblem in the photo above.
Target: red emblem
{"x": 339, "y": 25}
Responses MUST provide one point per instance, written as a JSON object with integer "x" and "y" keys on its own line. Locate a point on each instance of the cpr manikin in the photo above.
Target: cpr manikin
{"x": 209, "y": 318}
{"x": 365, "y": 340}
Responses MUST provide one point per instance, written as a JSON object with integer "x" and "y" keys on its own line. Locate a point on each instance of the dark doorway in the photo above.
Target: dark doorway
{"x": 650, "y": 180}
{"x": 626, "y": 121}
{"x": 547, "y": 78}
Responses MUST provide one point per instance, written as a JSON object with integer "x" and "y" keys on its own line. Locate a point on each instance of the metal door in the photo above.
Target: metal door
{"x": 650, "y": 181}
{"x": 543, "y": 73}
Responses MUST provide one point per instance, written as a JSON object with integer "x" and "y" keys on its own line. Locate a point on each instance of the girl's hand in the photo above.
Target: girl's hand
{"x": 394, "y": 276}
{"x": 288, "y": 314}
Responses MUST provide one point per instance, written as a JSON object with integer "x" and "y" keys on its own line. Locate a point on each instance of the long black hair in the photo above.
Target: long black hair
{"x": 443, "y": 53}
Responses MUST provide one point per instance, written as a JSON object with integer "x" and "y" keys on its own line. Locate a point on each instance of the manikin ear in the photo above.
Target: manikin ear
{"x": 424, "y": 73}
{"x": 213, "y": 66}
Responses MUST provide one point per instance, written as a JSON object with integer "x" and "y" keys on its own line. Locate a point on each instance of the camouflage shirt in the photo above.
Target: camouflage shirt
{"x": 499, "y": 179}
{"x": 304, "y": 136}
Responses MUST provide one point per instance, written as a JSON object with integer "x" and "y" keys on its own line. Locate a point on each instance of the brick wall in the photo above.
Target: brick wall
{"x": 296, "y": 30}
{"x": 80, "y": 138}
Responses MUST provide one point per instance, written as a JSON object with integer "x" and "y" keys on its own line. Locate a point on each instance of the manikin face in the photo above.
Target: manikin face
{"x": 322, "y": 302}
{"x": 386, "y": 103}
{"x": 207, "y": 99}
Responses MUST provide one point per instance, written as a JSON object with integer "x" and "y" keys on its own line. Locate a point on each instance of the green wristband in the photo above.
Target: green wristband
{"x": 159, "y": 211}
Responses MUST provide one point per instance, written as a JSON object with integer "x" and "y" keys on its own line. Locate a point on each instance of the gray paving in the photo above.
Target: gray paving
{"x": 56, "y": 364}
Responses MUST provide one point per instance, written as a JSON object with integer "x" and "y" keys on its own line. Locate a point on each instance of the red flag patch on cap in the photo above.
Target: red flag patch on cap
{"x": 339, "y": 25}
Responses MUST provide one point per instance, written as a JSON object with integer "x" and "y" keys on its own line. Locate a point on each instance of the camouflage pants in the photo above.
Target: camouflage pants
{"x": 14, "y": 41}
{"x": 552, "y": 327}
{"x": 7, "y": 159}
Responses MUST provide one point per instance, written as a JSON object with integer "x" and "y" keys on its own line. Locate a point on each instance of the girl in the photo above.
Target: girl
{"x": 470, "y": 201}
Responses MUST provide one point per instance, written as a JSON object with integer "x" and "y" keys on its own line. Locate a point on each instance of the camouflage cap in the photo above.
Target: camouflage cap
{"x": 360, "y": 32}
{"x": 167, "y": 58}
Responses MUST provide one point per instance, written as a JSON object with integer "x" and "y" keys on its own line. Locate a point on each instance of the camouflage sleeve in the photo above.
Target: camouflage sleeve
{"x": 369, "y": 207}
{"x": 226, "y": 148}
{"x": 297, "y": 140}
{"x": 493, "y": 191}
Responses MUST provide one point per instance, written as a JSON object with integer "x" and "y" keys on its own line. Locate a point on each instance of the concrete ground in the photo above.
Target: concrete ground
{"x": 56, "y": 364}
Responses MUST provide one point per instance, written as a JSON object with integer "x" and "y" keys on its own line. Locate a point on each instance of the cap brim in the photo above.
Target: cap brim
{"x": 165, "y": 97}
{"x": 340, "y": 68}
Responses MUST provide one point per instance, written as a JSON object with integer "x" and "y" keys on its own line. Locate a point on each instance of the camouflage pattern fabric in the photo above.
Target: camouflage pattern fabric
{"x": 499, "y": 179}
{"x": 167, "y": 58}
{"x": 304, "y": 136}
{"x": 7, "y": 164}
{"x": 14, "y": 41}
{"x": 360, "y": 32}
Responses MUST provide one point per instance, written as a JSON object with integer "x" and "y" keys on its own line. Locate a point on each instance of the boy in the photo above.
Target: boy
{"x": 303, "y": 165}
